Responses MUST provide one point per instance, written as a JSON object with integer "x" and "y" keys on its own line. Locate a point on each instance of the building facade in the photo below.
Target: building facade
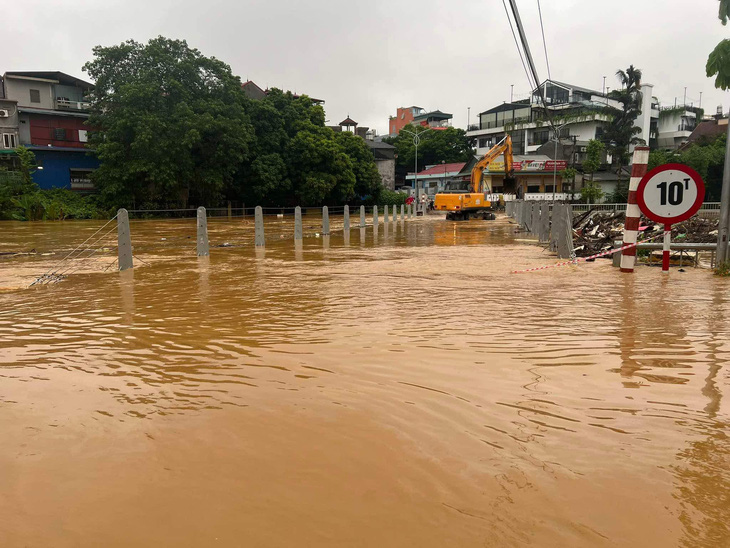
{"x": 52, "y": 110}
{"x": 384, "y": 155}
{"x": 416, "y": 115}
{"x": 9, "y": 137}
{"x": 437, "y": 178}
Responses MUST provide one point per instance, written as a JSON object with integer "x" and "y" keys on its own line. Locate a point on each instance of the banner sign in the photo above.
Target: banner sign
{"x": 530, "y": 165}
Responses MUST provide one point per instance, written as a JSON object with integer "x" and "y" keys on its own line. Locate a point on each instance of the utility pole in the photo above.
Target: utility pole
{"x": 511, "y": 92}
{"x": 722, "y": 230}
{"x": 684, "y": 101}
{"x": 700, "y": 99}
{"x": 416, "y": 142}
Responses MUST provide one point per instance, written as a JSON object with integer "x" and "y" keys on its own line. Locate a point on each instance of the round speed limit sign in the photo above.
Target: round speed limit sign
{"x": 670, "y": 194}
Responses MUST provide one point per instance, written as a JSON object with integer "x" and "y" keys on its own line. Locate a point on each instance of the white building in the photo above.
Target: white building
{"x": 578, "y": 112}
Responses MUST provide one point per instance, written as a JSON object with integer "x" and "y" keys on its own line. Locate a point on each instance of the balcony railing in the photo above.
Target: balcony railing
{"x": 65, "y": 104}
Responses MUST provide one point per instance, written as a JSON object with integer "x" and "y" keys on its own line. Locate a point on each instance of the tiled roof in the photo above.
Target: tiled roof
{"x": 707, "y": 130}
{"x": 440, "y": 169}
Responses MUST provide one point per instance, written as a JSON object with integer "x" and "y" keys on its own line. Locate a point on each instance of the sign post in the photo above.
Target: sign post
{"x": 670, "y": 194}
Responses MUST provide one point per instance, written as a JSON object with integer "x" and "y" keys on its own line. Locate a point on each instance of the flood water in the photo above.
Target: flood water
{"x": 403, "y": 389}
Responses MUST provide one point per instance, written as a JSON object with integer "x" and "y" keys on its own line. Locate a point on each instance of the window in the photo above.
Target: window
{"x": 59, "y": 134}
{"x": 9, "y": 140}
{"x": 82, "y": 136}
{"x": 35, "y": 96}
{"x": 533, "y": 188}
{"x": 485, "y": 142}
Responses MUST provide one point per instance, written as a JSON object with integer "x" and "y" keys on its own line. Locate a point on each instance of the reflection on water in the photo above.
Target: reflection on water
{"x": 403, "y": 390}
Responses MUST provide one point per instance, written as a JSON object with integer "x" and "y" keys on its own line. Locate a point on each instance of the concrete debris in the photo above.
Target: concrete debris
{"x": 597, "y": 231}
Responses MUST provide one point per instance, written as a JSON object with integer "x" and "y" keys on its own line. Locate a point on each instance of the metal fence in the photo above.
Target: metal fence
{"x": 708, "y": 209}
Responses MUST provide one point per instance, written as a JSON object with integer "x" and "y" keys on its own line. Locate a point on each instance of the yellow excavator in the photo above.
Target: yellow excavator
{"x": 460, "y": 206}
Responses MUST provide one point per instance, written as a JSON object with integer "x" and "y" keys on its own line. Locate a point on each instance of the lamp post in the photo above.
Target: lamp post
{"x": 443, "y": 183}
{"x": 555, "y": 160}
{"x": 416, "y": 142}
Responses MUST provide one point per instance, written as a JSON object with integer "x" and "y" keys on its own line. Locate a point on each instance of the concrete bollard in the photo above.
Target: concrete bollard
{"x": 362, "y": 216}
{"x": 297, "y": 223}
{"x": 346, "y": 217}
{"x": 535, "y": 218}
{"x": 617, "y": 256}
{"x": 203, "y": 247}
{"x": 544, "y": 231}
{"x": 395, "y": 214}
{"x": 402, "y": 214}
{"x": 259, "y": 227}
{"x": 410, "y": 211}
{"x": 124, "y": 241}
{"x": 325, "y": 221}
{"x": 375, "y": 216}
{"x": 385, "y": 214}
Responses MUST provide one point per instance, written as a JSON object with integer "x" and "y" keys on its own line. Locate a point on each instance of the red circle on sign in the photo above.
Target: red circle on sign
{"x": 679, "y": 218}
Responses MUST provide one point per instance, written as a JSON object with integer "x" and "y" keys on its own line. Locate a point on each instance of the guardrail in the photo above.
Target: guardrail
{"x": 711, "y": 209}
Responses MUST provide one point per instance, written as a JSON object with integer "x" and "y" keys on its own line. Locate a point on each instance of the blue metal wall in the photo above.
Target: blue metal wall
{"x": 57, "y": 165}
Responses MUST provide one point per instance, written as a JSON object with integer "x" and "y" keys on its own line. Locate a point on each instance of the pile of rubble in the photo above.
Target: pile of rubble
{"x": 596, "y": 231}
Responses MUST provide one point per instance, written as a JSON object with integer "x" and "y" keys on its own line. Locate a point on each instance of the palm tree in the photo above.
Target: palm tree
{"x": 621, "y": 132}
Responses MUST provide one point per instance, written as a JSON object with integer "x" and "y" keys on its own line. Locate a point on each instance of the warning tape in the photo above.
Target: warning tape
{"x": 577, "y": 260}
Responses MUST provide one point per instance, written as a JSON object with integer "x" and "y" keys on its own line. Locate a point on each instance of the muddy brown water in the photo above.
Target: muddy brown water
{"x": 402, "y": 389}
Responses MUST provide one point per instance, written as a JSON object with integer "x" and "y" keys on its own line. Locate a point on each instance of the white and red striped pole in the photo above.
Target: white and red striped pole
{"x": 666, "y": 247}
{"x": 633, "y": 214}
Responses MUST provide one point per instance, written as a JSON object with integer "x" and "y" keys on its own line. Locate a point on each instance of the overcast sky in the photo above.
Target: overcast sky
{"x": 366, "y": 59}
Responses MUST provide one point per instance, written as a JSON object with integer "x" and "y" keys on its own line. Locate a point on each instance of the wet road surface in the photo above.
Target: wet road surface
{"x": 402, "y": 389}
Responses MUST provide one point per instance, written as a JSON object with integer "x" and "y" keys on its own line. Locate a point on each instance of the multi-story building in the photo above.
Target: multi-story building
{"x": 675, "y": 125}
{"x": 577, "y": 111}
{"x": 8, "y": 124}
{"x": 416, "y": 115}
{"x": 579, "y": 114}
{"x": 52, "y": 111}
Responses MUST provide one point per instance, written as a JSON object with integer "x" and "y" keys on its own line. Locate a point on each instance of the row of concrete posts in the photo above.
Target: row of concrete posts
{"x": 124, "y": 247}
{"x": 549, "y": 222}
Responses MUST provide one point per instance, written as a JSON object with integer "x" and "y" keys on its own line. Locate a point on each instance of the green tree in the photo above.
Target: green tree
{"x": 367, "y": 178}
{"x": 718, "y": 62}
{"x": 297, "y": 160}
{"x": 591, "y": 192}
{"x": 27, "y": 168}
{"x": 594, "y": 153}
{"x": 449, "y": 145}
{"x": 169, "y": 124}
{"x": 707, "y": 158}
{"x": 621, "y": 132}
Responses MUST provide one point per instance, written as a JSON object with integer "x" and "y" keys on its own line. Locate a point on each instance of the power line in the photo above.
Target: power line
{"x": 519, "y": 51}
{"x": 544, "y": 44}
{"x": 531, "y": 63}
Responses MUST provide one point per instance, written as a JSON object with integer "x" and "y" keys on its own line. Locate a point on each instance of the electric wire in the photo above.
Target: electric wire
{"x": 519, "y": 51}
{"x": 544, "y": 43}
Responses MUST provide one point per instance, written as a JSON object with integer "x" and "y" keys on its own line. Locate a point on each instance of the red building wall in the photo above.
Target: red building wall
{"x": 42, "y": 130}
{"x": 403, "y": 117}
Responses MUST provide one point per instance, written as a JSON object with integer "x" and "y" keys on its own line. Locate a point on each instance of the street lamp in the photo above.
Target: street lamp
{"x": 416, "y": 142}
{"x": 443, "y": 183}
{"x": 555, "y": 160}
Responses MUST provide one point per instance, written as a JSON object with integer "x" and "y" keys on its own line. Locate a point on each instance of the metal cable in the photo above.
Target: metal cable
{"x": 83, "y": 261}
{"x": 544, "y": 44}
{"x": 51, "y": 270}
{"x": 519, "y": 51}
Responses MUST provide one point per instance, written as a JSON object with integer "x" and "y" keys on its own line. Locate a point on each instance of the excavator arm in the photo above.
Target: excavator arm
{"x": 477, "y": 172}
